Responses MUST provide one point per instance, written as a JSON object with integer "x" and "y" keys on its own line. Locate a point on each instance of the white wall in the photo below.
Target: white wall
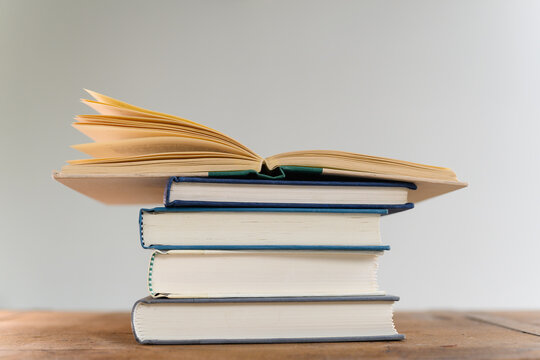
{"x": 452, "y": 83}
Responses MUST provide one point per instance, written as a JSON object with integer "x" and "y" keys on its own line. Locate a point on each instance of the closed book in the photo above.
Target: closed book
{"x": 211, "y": 273}
{"x": 201, "y": 191}
{"x": 264, "y": 320}
{"x": 260, "y": 228}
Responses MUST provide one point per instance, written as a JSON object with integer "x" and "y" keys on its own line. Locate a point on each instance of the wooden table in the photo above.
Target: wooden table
{"x": 430, "y": 335}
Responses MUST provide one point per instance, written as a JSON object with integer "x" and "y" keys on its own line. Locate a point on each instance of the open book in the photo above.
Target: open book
{"x": 135, "y": 150}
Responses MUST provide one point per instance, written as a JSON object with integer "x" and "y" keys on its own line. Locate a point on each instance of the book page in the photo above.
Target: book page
{"x": 153, "y": 145}
{"x": 106, "y": 105}
{"x": 358, "y": 162}
{"x": 111, "y": 129}
{"x": 160, "y": 167}
{"x": 199, "y": 156}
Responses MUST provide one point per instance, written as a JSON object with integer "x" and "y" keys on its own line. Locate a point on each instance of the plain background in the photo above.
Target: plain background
{"x": 451, "y": 83}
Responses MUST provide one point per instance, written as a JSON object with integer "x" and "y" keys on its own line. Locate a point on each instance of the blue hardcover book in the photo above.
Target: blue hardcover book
{"x": 219, "y": 192}
{"x": 271, "y": 228}
{"x": 255, "y": 273}
{"x": 264, "y": 320}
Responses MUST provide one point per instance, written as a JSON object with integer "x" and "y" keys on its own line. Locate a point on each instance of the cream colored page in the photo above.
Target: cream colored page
{"x": 105, "y": 109}
{"x": 200, "y": 156}
{"x": 143, "y": 123}
{"x": 130, "y": 118}
{"x": 121, "y": 104}
{"x": 107, "y": 133}
{"x": 349, "y": 155}
{"x": 176, "y": 131}
{"x": 113, "y": 113}
{"x": 151, "y": 145}
{"x": 94, "y": 118}
{"x": 161, "y": 168}
{"x": 358, "y": 162}
{"x": 106, "y": 103}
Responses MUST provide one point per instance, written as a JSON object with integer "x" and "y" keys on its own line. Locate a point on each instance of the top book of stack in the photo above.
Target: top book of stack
{"x": 135, "y": 152}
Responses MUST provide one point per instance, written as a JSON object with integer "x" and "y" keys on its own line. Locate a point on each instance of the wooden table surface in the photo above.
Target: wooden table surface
{"x": 430, "y": 335}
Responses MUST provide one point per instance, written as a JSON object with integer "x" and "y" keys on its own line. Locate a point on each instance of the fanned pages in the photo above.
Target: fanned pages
{"x": 147, "y": 147}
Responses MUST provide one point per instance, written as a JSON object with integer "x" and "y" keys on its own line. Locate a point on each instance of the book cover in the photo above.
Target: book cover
{"x": 248, "y": 179}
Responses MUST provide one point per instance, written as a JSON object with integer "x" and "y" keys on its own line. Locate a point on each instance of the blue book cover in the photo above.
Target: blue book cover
{"x": 392, "y": 208}
{"x": 165, "y": 247}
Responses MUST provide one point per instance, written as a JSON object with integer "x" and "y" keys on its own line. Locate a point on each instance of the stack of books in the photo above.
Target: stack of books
{"x": 246, "y": 249}
{"x": 267, "y": 261}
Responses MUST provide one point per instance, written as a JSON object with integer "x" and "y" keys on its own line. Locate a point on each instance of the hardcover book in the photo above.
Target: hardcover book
{"x": 209, "y": 273}
{"x": 214, "y": 228}
{"x": 136, "y": 150}
{"x": 264, "y": 320}
{"x": 192, "y": 191}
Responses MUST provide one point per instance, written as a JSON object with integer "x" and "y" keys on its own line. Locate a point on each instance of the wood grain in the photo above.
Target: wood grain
{"x": 430, "y": 335}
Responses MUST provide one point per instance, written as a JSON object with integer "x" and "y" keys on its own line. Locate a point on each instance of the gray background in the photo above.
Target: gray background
{"x": 452, "y": 83}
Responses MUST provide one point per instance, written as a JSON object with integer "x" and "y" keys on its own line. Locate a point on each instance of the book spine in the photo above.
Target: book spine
{"x": 167, "y": 193}
{"x": 141, "y": 231}
{"x": 150, "y": 273}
